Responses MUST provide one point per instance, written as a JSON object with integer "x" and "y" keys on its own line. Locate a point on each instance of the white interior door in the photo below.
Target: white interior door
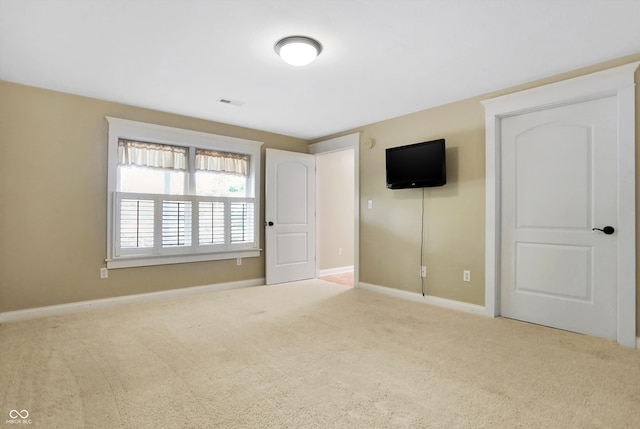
{"x": 559, "y": 181}
{"x": 290, "y": 227}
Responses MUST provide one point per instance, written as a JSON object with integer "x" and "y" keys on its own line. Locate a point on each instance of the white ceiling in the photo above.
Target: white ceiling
{"x": 381, "y": 58}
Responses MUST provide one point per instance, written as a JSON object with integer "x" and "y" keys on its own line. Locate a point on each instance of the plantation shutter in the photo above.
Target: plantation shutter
{"x": 136, "y": 223}
{"x": 211, "y": 222}
{"x": 176, "y": 223}
{"x": 242, "y": 221}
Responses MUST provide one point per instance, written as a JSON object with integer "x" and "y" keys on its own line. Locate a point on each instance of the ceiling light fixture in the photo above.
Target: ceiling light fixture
{"x": 298, "y": 50}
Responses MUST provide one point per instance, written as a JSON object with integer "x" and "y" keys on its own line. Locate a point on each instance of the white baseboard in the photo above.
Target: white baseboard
{"x": 337, "y": 270}
{"x": 433, "y": 300}
{"x": 54, "y": 310}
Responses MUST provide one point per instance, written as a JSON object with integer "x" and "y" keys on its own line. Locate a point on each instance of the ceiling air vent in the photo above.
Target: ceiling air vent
{"x": 230, "y": 101}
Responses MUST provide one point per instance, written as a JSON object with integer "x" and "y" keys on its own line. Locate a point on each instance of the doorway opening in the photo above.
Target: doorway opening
{"x": 337, "y": 210}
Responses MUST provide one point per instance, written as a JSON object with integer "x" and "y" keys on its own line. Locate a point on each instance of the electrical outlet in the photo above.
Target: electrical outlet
{"x": 466, "y": 275}
{"x": 339, "y": 250}
{"x": 238, "y": 261}
{"x": 423, "y": 271}
{"x": 370, "y": 204}
{"x": 104, "y": 273}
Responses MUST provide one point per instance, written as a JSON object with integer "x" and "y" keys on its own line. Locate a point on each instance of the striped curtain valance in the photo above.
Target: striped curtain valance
{"x": 152, "y": 155}
{"x": 224, "y": 162}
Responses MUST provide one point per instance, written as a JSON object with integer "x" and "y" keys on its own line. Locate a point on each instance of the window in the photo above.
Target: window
{"x": 180, "y": 196}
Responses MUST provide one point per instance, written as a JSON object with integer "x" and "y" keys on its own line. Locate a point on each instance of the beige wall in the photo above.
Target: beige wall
{"x": 53, "y": 188}
{"x": 454, "y": 214}
{"x": 335, "y": 222}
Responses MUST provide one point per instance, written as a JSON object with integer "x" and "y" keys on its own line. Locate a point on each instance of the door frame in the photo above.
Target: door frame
{"x": 350, "y": 141}
{"x": 618, "y": 82}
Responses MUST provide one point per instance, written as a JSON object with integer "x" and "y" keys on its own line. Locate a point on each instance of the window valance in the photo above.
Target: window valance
{"x": 224, "y": 162}
{"x": 155, "y": 155}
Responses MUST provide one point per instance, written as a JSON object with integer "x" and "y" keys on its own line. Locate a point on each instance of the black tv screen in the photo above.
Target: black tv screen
{"x": 418, "y": 165}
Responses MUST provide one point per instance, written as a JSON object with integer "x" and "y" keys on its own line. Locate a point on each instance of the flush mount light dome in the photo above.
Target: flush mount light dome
{"x": 298, "y": 50}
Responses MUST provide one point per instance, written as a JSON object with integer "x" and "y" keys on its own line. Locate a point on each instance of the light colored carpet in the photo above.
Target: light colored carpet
{"x": 309, "y": 355}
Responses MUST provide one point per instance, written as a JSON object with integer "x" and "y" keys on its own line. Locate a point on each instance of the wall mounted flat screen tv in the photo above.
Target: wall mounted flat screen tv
{"x": 418, "y": 165}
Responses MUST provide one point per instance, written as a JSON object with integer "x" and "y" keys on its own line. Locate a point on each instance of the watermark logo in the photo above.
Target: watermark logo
{"x": 18, "y": 417}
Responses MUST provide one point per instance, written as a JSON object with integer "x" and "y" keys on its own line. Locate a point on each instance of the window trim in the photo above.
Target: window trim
{"x": 142, "y": 131}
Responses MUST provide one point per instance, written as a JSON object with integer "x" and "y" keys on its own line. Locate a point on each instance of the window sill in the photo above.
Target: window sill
{"x": 178, "y": 259}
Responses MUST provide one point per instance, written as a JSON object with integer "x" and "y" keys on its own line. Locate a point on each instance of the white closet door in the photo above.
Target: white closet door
{"x": 559, "y": 181}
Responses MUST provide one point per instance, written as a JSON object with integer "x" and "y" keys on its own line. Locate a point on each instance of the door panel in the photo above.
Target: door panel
{"x": 290, "y": 216}
{"x": 291, "y": 248}
{"x": 565, "y": 274}
{"x": 291, "y": 181}
{"x": 553, "y": 162}
{"x": 559, "y": 181}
